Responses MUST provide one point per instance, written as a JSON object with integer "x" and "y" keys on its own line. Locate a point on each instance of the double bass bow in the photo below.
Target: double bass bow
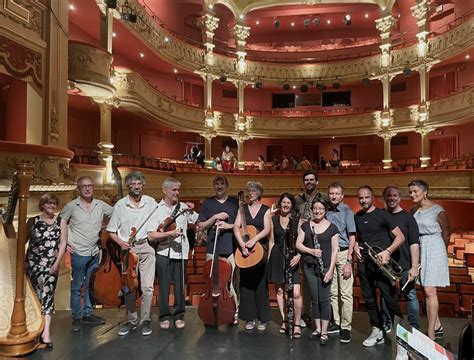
{"x": 216, "y": 306}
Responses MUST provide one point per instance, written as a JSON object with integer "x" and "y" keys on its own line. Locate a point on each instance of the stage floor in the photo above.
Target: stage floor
{"x": 197, "y": 342}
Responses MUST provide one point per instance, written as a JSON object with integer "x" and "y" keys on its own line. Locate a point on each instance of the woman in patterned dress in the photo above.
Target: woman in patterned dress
{"x": 434, "y": 237}
{"x": 47, "y": 235}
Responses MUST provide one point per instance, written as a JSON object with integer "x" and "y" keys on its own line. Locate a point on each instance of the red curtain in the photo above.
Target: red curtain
{"x": 445, "y": 147}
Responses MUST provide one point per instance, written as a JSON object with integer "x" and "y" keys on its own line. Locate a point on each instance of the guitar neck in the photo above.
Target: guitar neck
{"x": 243, "y": 221}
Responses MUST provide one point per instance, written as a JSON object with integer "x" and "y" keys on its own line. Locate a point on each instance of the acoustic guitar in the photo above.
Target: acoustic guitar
{"x": 256, "y": 253}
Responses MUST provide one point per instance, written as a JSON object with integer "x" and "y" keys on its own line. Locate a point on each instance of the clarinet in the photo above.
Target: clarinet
{"x": 289, "y": 253}
{"x": 319, "y": 259}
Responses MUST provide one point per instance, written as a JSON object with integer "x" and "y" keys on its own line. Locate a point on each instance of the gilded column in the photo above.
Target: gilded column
{"x": 242, "y": 126}
{"x": 387, "y": 136}
{"x": 56, "y": 74}
{"x": 213, "y": 120}
{"x": 209, "y": 24}
{"x": 106, "y": 29}
{"x": 105, "y": 145}
{"x": 421, "y": 11}
{"x": 241, "y": 33}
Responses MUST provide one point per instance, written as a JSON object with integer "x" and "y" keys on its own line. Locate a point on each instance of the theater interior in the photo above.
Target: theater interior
{"x": 383, "y": 90}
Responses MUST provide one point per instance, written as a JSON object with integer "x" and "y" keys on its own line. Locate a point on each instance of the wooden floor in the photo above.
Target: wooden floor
{"x": 230, "y": 342}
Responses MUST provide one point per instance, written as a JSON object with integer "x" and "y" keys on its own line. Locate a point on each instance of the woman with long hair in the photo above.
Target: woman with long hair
{"x": 282, "y": 241}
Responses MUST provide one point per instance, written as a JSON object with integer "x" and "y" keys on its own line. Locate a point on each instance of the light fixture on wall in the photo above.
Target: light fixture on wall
{"x": 316, "y": 21}
{"x": 306, "y": 23}
{"x": 407, "y": 70}
{"x": 348, "y": 19}
{"x": 320, "y": 85}
{"x": 276, "y": 24}
{"x": 286, "y": 86}
{"x": 258, "y": 84}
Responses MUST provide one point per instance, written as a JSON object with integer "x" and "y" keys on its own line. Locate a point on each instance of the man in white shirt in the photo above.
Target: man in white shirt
{"x": 133, "y": 211}
{"x": 172, "y": 251}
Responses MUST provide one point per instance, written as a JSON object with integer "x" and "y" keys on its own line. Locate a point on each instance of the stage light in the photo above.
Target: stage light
{"x": 304, "y": 88}
{"x": 223, "y": 78}
{"x": 336, "y": 84}
{"x": 348, "y": 19}
{"x": 111, "y": 4}
{"x": 329, "y": 22}
{"x": 316, "y": 22}
{"x": 276, "y": 24}
{"x": 286, "y": 86}
{"x": 72, "y": 7}
{"x": 366, "y": 15}
{"x": 366, "y": 81}
{"x": 406, "y": 71}
{"x": 292, "y": 23}
{"x": 320, "y": 85}
{"x": 258, "y": 84}
{"x": 306, "y": 22}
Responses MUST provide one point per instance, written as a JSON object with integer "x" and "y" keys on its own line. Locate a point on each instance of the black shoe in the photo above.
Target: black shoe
{"x": 146, "y": 328}
{"x": 387, "y": 328}
{"x": 92, "y": 319}
{"x": 126, "y": 328}
{"x": 324, "y": 339}
{"x": 439, "y": 332}
{"x": 46, "y": 344}
{"x": 76, "y": 325}
{"x": 345, "y": 336}
{"x": 333, "y": 328}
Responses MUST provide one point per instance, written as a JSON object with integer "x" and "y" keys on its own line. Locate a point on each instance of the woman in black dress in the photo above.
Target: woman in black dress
{"x": 279, "y": 243}
{"x": 47, "y": 235}
{"x": 319, "y": 230}
{"x": 254, "y": 300}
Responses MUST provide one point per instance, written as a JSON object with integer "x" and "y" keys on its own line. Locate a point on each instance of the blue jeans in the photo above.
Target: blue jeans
{"x": 413, "y": 306}
{"x": 82, "y": 269}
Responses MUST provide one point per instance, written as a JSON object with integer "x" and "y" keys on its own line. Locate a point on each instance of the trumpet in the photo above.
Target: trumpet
{"x": 392, "y": 270}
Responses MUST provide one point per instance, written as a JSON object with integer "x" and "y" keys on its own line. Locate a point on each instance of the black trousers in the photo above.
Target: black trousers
{"x": 170, "y": 270}
{"x": 320, "y": 292}
{"x": 371, "y": 277}
{"x": 254, "y": 300}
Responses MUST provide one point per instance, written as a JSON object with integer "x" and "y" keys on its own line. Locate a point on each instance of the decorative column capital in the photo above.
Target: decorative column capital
{"x": 421, "y": 10}
{"x": 383, "y": 119}
{"x": 212, "y": 120}
{"x": 208, "y": 22}
{"x": 387, "y": 134}
{"x": 420, "y": 113}
{"x": 385, "y": 25}
{"x": 241, "y": 33}
{"x": 243, "y": 124}
{"x": 106, "y": 104}
{"x": 424, "y": 129}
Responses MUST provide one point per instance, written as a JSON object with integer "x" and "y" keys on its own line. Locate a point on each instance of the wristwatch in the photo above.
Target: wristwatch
{"x": 350, "y": 261}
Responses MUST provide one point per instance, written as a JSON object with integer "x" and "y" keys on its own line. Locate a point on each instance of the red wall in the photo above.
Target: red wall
{"x": 13, "y": 109}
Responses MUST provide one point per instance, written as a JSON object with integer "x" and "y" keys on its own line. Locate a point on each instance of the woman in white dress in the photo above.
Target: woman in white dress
{"x": 434, "y": 237}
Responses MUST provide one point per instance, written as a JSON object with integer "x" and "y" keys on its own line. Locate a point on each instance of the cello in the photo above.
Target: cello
{"x": 216, "y": 306}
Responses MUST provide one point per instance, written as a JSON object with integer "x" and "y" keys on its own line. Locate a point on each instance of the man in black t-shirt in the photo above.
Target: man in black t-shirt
{"x": 221, "y": 211}
{"x": 374, "y": 227}
{"x": 407, "y": 256}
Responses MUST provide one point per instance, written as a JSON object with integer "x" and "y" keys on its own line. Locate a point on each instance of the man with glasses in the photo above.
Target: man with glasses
{"x": 84, "y": 216}
{"x": 134, "y": 211}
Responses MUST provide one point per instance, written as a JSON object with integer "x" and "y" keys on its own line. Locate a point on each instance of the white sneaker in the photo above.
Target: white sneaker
{"x": 402, "y": 353}
{"x": 375, "y": 338}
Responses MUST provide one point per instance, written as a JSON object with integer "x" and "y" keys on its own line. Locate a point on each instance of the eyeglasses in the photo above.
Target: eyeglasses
{"x": 86, "y": 186}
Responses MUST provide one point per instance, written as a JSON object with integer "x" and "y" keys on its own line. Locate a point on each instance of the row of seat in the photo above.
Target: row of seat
{"x": 461, "y": 247}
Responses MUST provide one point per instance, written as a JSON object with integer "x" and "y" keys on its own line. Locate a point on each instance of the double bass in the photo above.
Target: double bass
{"x": 216, "y": 306}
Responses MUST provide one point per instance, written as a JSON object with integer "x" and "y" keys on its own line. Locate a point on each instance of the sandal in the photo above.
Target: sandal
{"x": 297, "y": 335}
{"x": 315, "y": 335}
{"x": 236, "y": 317}
{"x": 439, "y": 332}
{"x": 283, "y": 327}
{"x": 324, "y": 339}
{"x": 179, "y": 324}
{"x": 165, "y": 324}
{"x": 250, "y": 325}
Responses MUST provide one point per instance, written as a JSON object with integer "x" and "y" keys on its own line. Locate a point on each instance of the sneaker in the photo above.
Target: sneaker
{"x": 76, "y": 325}
{"x": 92, "y": 319}
{"x": 146, "y": 328}
{"x": 262, "y": 326}
{"x": 345, "y": 336}
{"x": 250, "y": 325}
{"x": 333, "y": 328}
{"x": 126, "y": 328}
{"x": 402, "y": 353}
{"x": 387, "y": 328}
{"x": 375, "y": 338}
{"x": 439, "y": 332}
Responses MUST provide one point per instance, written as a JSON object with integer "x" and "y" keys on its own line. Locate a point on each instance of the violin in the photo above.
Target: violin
{"x": 129, "y": 262}
{"x": 216, "y": 306}
{"x": 168, "y": 224}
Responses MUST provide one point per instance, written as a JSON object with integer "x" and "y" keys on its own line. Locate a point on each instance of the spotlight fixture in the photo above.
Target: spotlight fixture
{"x": 347, "y": 19}
{"x": 336, "y": 84}
{"x": 111, "y": 4}
{"x": 286, "y": 86}
{"x": 306, "y": 23}
{"x": 407, "y": 70}
{"x": 128, "y": 14}
{"x": 276, "y": 24}
{"x": 258, "y": 84}
{"x": 304, "y": 88}
{"x": 223, "y": 78}
{"x": 320, "y": 85}
{"x": 316, "y": 22}
{"x": 366, "y": 81}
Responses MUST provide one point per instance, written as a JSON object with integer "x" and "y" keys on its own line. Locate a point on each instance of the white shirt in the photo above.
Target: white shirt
{"x": 173, "y": 245}
{"x": 126, "y": 216}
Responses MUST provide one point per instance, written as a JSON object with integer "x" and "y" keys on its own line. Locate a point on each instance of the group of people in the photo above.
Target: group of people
{"x": 325, "y": 237}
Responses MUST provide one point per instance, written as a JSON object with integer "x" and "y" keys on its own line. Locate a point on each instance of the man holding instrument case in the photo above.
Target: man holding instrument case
{"x": 167, "y": 229}
{"x": 221, "y": 210}
{"x": 131, "y": 214}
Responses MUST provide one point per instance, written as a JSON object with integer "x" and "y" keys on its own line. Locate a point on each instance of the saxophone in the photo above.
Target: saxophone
{"x": 319, "y": 259}
{"x": 289, "y": 253}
